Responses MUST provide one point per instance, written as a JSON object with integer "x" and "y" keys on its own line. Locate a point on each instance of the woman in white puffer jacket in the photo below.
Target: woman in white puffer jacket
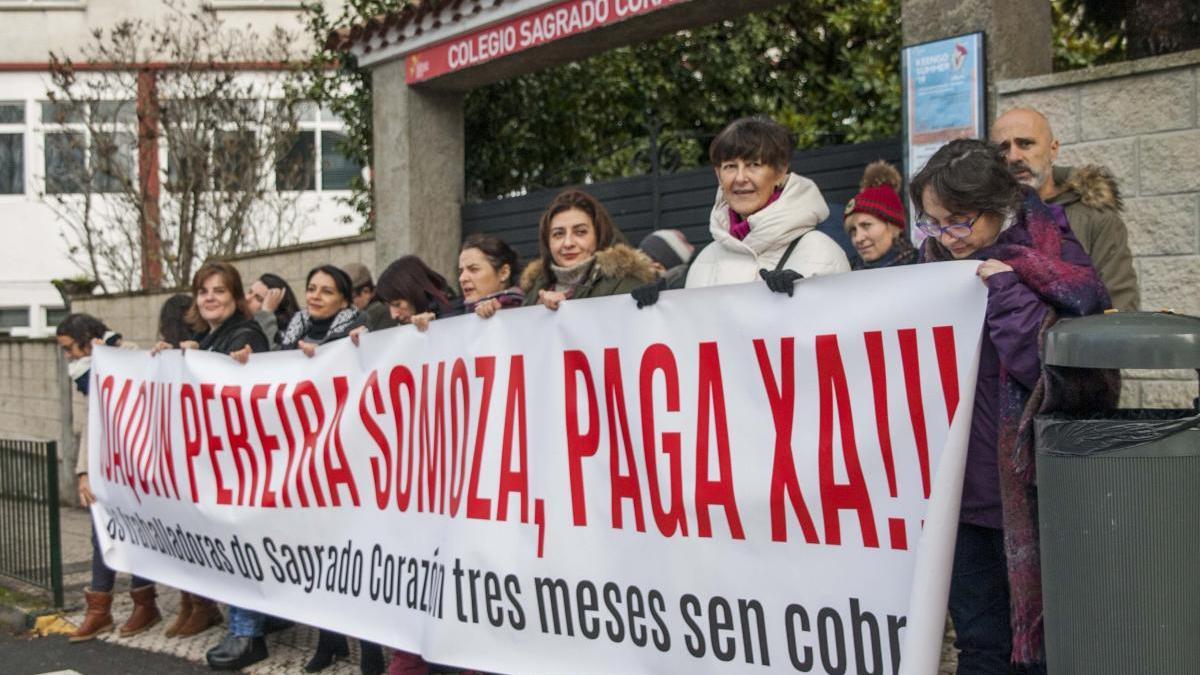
{"x": 765, "y": 218}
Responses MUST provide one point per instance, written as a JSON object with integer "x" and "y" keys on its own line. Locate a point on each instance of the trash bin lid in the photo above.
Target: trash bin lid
{"x": 1125, "y": 340}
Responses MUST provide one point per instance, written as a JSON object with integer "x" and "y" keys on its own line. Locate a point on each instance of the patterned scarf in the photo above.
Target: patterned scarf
{"x": 1067, "y": 290}
{"x": 509, "y": 297}
{"x": 302, "y": 321}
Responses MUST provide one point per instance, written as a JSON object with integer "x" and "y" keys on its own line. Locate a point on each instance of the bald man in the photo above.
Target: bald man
{"x": 1088, "y": 195}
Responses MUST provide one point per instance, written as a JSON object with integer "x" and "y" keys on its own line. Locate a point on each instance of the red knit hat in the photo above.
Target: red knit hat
{"x": 879, "y": 195}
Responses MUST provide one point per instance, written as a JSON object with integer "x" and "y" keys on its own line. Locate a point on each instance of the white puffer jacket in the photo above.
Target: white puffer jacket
{"x": 799, "y": 209}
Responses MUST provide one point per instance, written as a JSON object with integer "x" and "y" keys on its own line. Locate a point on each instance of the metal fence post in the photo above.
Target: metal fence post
{"x": 54, "y": 530}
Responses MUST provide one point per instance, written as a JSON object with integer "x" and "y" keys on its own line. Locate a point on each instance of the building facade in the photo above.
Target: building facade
{"x": 39, "y": 145}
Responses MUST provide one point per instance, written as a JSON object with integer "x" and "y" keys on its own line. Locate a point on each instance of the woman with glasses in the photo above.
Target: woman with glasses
{"x": 874, "y": 221}
{"x": 971, "y": 208}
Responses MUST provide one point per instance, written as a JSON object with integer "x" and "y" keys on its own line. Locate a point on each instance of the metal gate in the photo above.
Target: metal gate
{"x": 679, "y": 200}
{"x": 30, "y": 542}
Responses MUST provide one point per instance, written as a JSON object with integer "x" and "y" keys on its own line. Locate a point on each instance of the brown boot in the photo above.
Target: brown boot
{"x": 145, "y": 611}
{"x": 205, "y": 615}
{"x": 181, "y": 619}
{"x": 98, "y": 618}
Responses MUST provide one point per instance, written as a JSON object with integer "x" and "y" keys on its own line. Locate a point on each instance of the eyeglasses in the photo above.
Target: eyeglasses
{"x": 959, "y": 230}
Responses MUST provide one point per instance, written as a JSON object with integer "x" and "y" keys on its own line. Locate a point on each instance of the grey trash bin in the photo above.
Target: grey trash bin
{"x": 1119, "y": 509}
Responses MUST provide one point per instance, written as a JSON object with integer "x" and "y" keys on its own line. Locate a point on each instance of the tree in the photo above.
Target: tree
{"x": 1148, "y": 27}
{"x": 827, "y": 69}
{"x": 180, "y": 87}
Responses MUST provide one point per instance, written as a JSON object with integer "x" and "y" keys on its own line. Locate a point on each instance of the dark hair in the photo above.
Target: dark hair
{"x": 408, "y": 278}
{"x": 82, "y": 329}
{"x": 173, "y": 328}
{"x": 753, "y": 138}
{"x": 571, "y": 198}
{"x": 289, "y": 305}
{"x": 232, "y": 279}
{"x": 967, "y": 175}
{"x": 341, "y": 280}
{"x": 497, "y": 251}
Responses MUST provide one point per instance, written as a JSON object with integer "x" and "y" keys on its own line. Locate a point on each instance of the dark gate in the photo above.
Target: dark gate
{"x": 30, "y": 543}
{"x": 681, "y": 200}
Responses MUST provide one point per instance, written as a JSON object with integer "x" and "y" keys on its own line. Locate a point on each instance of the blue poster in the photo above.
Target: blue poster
{"x": 943, "y": 96}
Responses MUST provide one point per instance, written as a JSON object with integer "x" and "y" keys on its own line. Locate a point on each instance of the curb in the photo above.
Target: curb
{"x": 19, "y": 619}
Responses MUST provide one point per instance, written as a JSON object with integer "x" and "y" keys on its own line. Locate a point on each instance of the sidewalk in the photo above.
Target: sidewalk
{"x": 289, "y": 649}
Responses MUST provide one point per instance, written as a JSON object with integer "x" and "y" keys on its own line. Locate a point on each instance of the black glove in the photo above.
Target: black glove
{"x": 781, "y": 281}
{"x": 647, "y": 294}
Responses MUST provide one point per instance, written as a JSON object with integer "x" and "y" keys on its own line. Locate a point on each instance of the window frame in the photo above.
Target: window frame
{"x": 318, "y": 122}
{"x": 45, "y": 128}
{"x": 25, "y": 128}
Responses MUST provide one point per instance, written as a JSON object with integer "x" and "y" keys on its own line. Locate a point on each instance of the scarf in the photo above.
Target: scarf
{"x": 302, "y": 323}
{"x": 902, "y": 252}
{"x": 568, "y": 279}
{"x": 739, "y": 227}
{"x": 509, "y": 297}
{"x": 1068, "y": 290}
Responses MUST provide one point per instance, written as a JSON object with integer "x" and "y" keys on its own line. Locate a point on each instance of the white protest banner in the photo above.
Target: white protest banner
{"x": 728, "y": 480}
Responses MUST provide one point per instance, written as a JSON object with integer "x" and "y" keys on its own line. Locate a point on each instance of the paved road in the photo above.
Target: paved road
{"x": 21, "y": 656}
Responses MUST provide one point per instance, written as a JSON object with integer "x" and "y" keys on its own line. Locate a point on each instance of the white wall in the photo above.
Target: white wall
{"x": 32, "y": 246}
{"x": 32, "y": 29}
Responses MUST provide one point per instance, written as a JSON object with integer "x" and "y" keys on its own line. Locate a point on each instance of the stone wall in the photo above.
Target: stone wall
{"x": 29, "y": 395}
{"x": 1141, "y": 119}
{"x": 35, "y": 397}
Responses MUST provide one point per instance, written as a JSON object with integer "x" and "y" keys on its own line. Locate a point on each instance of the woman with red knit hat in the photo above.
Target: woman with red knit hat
{"x": 874, "y": 221}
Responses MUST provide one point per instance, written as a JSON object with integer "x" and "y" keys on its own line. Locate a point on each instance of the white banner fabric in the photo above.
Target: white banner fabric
{"x": 729, "y": 480}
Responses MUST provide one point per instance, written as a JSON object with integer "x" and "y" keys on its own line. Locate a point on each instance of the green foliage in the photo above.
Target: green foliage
{"x": 333, "y": 79}
{"x": 827, "y": 69}
{"x": 1080, "y": 41}
{"x": 824, "y": 68}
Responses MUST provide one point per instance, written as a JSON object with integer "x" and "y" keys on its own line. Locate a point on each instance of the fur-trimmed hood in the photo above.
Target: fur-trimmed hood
{"x": 615, "y": 262}
{"x": 1091, "y": 185}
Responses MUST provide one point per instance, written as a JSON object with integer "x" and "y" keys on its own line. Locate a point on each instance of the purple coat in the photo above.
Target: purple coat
{"x": 1014, "y": 318}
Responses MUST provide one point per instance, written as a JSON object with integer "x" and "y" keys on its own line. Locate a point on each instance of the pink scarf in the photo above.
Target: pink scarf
{"x": 739, "y": 227}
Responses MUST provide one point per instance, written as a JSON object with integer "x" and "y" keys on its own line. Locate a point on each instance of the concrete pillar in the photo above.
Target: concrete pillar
{"x": 1018, "y": 41}
{"x": 418, "y": 173}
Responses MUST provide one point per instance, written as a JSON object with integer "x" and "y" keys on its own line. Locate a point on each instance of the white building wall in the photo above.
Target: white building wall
{"x": 33, "y": 249}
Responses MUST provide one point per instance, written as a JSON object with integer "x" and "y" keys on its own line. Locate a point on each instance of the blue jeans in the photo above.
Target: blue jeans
{"x": 979, "y": 604}
{"x": 246, "y": 622}
{"x": 979, "y": 601}
{"x": 104, "y": 578}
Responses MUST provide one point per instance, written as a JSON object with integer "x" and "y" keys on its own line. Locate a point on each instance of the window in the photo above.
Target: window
{"x": 55, "y": 316}
{"x": 14, "y": 317}
{"x": 93, "y": 145}
{"x": 12, "y": 147}
{"x": 65, "y": 161}
{"x": 312, "y": 165}
{"x": 296, "y": 169}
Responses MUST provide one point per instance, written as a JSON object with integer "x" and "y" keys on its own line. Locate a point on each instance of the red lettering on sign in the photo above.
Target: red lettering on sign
{"x": 719, "y": 491}
{"x": 836, "y": 497}
{"x": 579, "y": 444}
{"x": 658, "y": 358}
{"x": 785, "y": 486}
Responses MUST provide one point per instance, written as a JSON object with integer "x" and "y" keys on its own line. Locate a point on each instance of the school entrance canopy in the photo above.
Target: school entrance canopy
{"x": 425, "y": 57}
